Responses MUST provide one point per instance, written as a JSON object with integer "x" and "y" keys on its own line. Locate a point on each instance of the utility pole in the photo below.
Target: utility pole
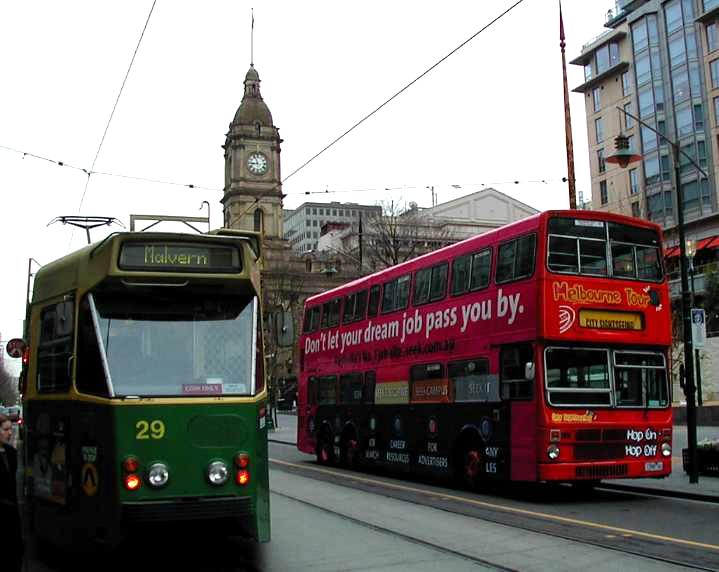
{"x": 567, "y": 119}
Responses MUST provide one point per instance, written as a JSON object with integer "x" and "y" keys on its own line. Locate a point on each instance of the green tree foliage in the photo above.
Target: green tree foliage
{"x": 711, "y": 301}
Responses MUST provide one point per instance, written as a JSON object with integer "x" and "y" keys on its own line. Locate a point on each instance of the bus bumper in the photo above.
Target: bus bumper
{"x": 646, "y": 468}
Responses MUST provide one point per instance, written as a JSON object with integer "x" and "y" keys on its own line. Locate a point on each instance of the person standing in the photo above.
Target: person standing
{"x": 9, "y": 510}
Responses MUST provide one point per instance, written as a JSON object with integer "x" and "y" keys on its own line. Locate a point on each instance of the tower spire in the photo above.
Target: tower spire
{"x": 252, "y": 38}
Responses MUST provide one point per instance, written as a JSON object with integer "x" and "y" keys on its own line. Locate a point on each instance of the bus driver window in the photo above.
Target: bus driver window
{"x": 516, "y": 372}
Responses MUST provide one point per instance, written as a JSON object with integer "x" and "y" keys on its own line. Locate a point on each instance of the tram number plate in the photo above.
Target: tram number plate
{"x": 658, "y": 466}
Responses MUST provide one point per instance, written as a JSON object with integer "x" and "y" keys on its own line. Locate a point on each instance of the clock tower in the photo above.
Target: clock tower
{"x": 253, "y": 189}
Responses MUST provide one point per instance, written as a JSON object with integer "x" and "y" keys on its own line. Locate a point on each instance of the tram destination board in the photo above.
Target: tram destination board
{"x": 180, "y": 257}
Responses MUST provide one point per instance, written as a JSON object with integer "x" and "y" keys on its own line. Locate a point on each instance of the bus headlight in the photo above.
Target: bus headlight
{"x": 158, "y": 475}
{"x": 666, "y": 449}
{"x": 553, "y": 452}
{"x": 217, "y": 473}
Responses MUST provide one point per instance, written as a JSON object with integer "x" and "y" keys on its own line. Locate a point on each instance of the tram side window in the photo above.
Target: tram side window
{"x": 331, "y": 313}
{"x": 327, "y": 390}
{"x": 312, "y": 320}
{"x": 368, "y": 391}
{"x": 513, "y": 360}
{"x": 516, "y": 259}
{"x": 396, "y": 294}
{"x": 351, "y": 389}
{"x": 55, "y": 348}
{"x": 90, "y": 372}
{"x": 373, "y": 304}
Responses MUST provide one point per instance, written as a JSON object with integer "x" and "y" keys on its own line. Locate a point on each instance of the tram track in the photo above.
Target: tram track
{"x": 659, "y": 548}
{"x": 397, "y": 534}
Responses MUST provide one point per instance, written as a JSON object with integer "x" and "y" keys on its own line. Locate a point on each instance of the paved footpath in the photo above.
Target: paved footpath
{"x": 677, "y": 483}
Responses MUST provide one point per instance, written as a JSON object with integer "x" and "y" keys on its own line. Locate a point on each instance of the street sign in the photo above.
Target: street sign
{"x": 699, "y": 328}
{"x": 15, "y": 348}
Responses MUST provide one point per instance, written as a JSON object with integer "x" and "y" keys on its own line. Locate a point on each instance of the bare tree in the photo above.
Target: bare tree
{"x": 402, "y": 232}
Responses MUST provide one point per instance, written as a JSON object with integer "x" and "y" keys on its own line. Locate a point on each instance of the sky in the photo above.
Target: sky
{"x": 490, "y": 114}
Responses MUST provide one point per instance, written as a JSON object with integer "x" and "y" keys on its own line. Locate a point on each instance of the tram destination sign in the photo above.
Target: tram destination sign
{"x": 180, "y": 257}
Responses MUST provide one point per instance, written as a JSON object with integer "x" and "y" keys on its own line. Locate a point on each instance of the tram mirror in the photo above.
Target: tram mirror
{"x": 529, "y": 371}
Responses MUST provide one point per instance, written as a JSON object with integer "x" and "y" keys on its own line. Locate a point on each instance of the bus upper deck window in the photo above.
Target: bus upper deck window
{"x": 373, "y": 304}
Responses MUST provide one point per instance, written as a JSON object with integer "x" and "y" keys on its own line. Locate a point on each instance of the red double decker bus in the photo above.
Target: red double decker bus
{"x": 535, "y": 352}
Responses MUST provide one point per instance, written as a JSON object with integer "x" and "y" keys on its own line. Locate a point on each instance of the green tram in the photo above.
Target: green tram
{"x": 145, "y": 398}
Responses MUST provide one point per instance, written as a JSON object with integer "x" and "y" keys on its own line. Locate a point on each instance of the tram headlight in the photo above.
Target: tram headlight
{"x": 217, "y": 473}
{"x": 553, "y": 452}
{"x": 158, "y": 475}
{"x": 667, "y": 449}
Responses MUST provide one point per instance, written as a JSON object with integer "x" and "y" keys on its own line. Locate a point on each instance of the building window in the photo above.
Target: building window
{"x": 600, "y": 161}
{"x": 599, "y": 129}
{"x": 314, "y": 211}
{"x": 603, "y": 197}
{"x": 684, "y": 121}
{"x": 628, "y": 121}
{"x": 714, "y": 69}
{"x": 307, "y": 210}
{"x": 673, "y": 15}
{"x": 597, "y": 98}
{"x": 635, "y": 210}
{"x": 643, "y": 69}
{"x": 677, "y": 50}
{"x": 698, "y": 117}
{"x": 712, "y": 38}
{"x": 646, "y": 102}
{"x": 602, "y": 59}
{"x": 680, "y": 81}
{"x": 626, "y": 84}
{"x": 639, "y": 37}
{"x": 633, "y": 182}
{"x": 259, "y": 221}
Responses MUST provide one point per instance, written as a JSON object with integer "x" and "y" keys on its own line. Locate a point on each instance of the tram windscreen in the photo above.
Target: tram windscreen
{"x": 178, "y": 346}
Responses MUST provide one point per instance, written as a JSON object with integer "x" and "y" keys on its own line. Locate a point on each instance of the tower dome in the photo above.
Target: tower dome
{"x": 253, "y": 109}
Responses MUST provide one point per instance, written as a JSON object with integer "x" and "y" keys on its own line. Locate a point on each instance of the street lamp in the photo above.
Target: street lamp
{"x": 624, "y": 157}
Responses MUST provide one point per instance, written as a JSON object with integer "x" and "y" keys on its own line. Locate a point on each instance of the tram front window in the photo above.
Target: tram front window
{"x": 187, "y": 346}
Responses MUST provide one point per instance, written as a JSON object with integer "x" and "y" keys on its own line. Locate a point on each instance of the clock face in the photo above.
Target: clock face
{"x": 257, "y": 164}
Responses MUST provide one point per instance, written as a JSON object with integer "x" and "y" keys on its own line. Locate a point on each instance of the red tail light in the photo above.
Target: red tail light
{"x": 243, "y": 477}
{"x": 242, "y": 460}
{"x": 131, "y": 464}
{"x": 26, "y": 356}
{"x": 132, "y": 482}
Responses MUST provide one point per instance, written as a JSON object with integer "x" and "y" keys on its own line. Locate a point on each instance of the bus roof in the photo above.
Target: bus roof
{"x": 500, "y": 234}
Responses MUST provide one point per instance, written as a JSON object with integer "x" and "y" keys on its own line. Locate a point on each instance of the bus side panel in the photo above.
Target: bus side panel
{"x": 523, "y": 439}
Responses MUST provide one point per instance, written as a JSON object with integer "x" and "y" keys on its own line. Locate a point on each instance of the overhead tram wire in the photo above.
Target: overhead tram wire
{"x": 410, "y": 84}
{"x": 120, "y": 175}
{"x": 107, "y": 127}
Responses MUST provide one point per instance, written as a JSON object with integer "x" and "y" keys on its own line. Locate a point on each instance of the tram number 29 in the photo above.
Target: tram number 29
{"x": 150, "y": 429}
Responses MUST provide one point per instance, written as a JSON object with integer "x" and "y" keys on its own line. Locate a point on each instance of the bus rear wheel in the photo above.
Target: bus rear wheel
{"x": 350, "y": 450}
{"x": 469, "y": 465}
{"x": 325, "y": 449}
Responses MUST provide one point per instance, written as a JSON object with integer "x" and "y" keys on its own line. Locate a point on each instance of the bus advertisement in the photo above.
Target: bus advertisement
{"x": 535, "y": 352}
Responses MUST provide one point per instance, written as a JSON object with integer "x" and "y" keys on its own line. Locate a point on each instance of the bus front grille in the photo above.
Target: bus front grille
{"x": 601, "y": 471}
{"x": 187, "y": 509}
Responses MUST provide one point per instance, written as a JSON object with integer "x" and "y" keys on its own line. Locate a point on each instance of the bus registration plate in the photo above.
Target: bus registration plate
{"x": 656, "y": 466}
{"x": 602, "y": 320}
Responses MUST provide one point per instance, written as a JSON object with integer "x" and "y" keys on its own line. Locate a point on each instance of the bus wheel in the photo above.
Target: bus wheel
{"x": 350, "y": 448}
{"x": 470, "y": 467}
{"x": 325, "y": 449}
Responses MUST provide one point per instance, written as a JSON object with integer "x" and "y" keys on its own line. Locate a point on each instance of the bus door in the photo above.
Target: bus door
{"x": 516, "y": 376}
